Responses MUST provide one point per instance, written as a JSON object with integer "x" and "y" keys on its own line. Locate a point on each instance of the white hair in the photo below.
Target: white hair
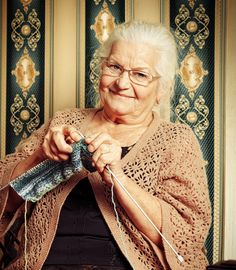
{"x": 158, "y": 37}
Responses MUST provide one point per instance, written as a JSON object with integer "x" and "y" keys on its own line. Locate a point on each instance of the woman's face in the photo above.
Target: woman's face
{"x": 119, "y": 95}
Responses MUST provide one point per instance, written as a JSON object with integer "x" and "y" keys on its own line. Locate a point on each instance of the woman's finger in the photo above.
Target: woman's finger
{"x": 58, "y": 138}
{"x": 46, "y": 148}
{"x": 54, "y": 146}
{"x": 73, "y": 133}
{"x": 96, "y": 141}
{"x": 106, "y": 159}
{"x": 102, "y": 149}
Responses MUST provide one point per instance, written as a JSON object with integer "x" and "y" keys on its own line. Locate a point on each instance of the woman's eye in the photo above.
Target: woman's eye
{"x": 114, "y": 67}
{"x": 140, "y": 75}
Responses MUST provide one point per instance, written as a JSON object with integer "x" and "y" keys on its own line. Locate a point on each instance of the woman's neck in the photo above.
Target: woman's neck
{"x": 126, "y": 132}
{"x": 126, "y": 121}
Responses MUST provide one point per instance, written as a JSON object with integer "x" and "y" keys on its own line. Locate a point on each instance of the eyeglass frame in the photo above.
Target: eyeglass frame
{"x": 105, "y": 60}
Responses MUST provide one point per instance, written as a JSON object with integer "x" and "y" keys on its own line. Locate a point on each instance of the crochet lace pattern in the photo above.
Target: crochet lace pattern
{"x": 166, "y": 162}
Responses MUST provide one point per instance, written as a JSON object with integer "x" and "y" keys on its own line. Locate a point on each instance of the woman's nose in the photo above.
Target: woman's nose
{"x": 123, "y": 81}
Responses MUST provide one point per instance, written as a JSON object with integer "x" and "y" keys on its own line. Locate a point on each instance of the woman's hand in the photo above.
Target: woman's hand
{"x": 56, "y": 145}
{"x": 106, "y": 152}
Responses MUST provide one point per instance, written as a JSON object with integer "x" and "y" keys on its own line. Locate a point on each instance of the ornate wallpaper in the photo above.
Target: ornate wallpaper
{"x": 197, "y": 91}
{"x": 25, "y": 70}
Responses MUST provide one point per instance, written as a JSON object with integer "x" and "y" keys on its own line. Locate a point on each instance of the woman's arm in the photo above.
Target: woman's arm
{"x": 146, "y": 201}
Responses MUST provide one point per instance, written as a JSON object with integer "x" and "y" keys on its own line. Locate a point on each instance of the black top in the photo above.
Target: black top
{"x": 83, "y": 237}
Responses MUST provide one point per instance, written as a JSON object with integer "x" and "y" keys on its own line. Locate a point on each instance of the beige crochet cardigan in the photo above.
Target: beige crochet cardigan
{"x": 166, "y": 162}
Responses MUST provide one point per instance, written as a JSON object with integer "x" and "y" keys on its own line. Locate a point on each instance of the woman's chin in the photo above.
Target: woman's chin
{"x": 120, "y": 110}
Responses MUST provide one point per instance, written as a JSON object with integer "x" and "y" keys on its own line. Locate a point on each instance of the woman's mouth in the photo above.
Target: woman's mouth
{"x": 120, "y": 94}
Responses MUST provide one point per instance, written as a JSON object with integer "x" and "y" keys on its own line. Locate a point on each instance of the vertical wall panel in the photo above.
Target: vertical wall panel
{"x": 25, "y": 70}
{"x": 64, "y": 54}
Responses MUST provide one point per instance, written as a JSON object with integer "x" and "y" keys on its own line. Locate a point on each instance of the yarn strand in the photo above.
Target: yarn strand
{"x": 117, "y": 215}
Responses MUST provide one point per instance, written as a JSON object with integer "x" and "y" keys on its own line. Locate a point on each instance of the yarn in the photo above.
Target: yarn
{"x": 47, "y": 175}
{"x": 116, "y": 213}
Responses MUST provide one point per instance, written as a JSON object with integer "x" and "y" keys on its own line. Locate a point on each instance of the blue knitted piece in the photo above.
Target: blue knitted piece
{"x": 45, "y": 176}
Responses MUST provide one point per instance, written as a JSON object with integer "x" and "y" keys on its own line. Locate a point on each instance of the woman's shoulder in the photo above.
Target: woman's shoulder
{"x": 174, "y": 129}
{"x": 175, "y": 133}
{"x": 178, "y": 138}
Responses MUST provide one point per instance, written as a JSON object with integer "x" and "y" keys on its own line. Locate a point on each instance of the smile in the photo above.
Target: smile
{"x": 119, "y": 94}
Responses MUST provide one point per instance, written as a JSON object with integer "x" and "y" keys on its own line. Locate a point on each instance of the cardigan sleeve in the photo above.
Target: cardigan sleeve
{"x": 183, "y": 194}
{"x": 7, "y": 166}
{"x": 26, "y": 148}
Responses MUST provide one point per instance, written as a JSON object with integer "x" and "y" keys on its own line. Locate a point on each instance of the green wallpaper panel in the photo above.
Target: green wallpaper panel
{"x": 25, "y": 80}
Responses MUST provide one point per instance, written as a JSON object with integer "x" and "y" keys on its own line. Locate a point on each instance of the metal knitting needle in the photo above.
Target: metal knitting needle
{"x": 179, "y": 257}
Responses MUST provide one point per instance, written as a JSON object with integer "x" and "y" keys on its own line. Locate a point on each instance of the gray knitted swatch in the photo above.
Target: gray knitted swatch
{"x": 45, "y": 176}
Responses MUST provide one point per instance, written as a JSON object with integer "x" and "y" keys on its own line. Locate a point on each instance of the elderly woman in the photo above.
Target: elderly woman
{"x": 142, "y": 201}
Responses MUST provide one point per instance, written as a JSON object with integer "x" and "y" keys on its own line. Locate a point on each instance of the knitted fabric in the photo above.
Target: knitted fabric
{"x": 166, "y": 162}
{"x": 47, "y": 175}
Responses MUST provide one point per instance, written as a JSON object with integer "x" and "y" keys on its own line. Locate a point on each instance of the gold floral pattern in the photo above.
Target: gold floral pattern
{"x": 192, "y": 71}
{"x": 196, "y": 26}
{"x": 25, "y": 72}
{"x": 21, "y": 29}
{"x": 22, "y": 115}
{"x": 180, "y": 21}
{"x": 203, "y": 21}
{"x": 94, "y": 74}
{"x": 15, "y": 111}
{"x": 104, "y": 23}
{"x": 203, "y": 111}
{"x": 191, "y": 3}
{"x": 35, "y": 25}
{"x": 111, "y": 1}
{"x": 16, "y": 25}
{"x": 26, "y": 4}
{"x": 181, "y": 109}
{"x": 195, "y": 115}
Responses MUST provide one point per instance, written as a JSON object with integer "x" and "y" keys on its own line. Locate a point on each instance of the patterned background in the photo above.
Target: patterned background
{"x": 193, "y": 23}
{"x": 25, "y": 70}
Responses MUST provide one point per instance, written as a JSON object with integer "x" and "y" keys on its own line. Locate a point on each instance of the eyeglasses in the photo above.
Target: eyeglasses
{"x": 136, "y": 76}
